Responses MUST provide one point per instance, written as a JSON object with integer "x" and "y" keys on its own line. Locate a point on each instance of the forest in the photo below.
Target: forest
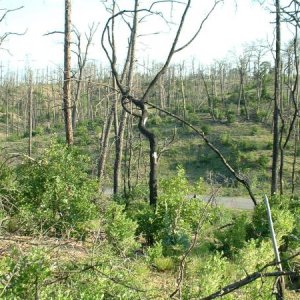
{"x": 138, "y": 179}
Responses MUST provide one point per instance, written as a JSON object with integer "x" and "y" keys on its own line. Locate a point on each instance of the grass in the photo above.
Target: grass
{"x": 246, "y": 145}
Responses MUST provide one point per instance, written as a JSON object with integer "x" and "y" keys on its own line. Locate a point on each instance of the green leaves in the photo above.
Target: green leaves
{"x": 56, "y": 191}
{"x": 120, "y": 230}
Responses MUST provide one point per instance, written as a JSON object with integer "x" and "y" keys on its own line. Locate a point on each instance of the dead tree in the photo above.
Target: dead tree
{"x": 137, "y": 106}
{"x": 81, "y": 53}
{"x": 277, "y": 88}
{"x": 67, "y": 75}
{"x": 30, "y": 111}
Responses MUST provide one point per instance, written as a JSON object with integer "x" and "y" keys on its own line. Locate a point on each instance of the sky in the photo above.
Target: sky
{"x": 230, "y": 26}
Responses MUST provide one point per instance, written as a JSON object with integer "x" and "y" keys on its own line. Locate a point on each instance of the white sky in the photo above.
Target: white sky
{"x": 227, "y": 29}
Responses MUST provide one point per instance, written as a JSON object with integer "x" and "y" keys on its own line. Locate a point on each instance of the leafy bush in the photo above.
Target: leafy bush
{"x": 233, "y": 236}
{"x": 21, "y": 275}
{"x": 263, "y": 161}
{"x": 55, "y": 192}
{"x": 211, "y": 272}
{"x": 249, "y": 259}
{"x": 120, "y": 230}
{"x": 247, "y": 145}
{"x": 226, "y": 139}
{"x": 231, "y": 117}
{"x": 175, "y": 218}
{"x": 155, "y": 120}
{"x": 83, "y": 135}
{"x": 283, "y": 219}
{"x": 163, "y": 263}
{"x": 205, "y": 129}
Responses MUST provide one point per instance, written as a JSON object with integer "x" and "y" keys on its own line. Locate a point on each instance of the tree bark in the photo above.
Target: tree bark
{"x": 30, "y": 94}
{"x": 67, "y": 75}
{"x": 275, "y": 153}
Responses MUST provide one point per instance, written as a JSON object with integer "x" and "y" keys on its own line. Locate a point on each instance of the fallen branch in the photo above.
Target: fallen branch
{"x": 252, "y": 277}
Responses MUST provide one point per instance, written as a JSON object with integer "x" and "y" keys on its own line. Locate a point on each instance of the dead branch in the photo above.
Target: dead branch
{"x": 7, "y": 11}
{"x": 252, "y": 277}
{"x": 166, "y": 145}
{"x": 54, "y": 32}
{"x": 200, "y": 27}
{"x": 237, "y": 176}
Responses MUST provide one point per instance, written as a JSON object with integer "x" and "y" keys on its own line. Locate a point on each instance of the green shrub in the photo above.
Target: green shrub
{"x": 83, "y": 135}
{"x": 120, "y": 230}
{"x": 263, "y": 161}
{"x": 226, "y": 139}
{"x": 219, "y": 114}
{"x": 175, "y": 218}
{"x": 55, "y": 192}
{"x": 163, "y": 263}
{"x": 205, "y": 129}
{"x": 231, "y": 117}
{"x": 254, "y": 130}
{"x": 283, "y": 219}
{"x": 155, "y": 120}
{"x": 233, "y": 236}
{"x": 212, "y": 272}
{"x": 21, "y": 275}
{"x": 247, "y": 145}
{"x": 249, "y": 259}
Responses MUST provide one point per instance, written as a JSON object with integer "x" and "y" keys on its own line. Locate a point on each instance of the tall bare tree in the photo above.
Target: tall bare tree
{"x": 277, "y": 88}
{"x": 137, "y": 106}
{"x": 67, "y": 102}
{"x": 81, "y": 53}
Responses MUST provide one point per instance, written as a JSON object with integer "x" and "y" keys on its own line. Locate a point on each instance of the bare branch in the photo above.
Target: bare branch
{"x": 53, "y": 32}
{"x": 165, "y": 1}
{"x": 200, "y": 27}
{"x": 237, "y": 176}
{"x": 252, "y": 277}
{"x": 171, "y": 52}
{"x": 9, "y": 11}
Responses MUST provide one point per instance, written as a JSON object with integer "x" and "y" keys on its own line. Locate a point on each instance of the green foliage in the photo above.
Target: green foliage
{"x": 219, "y": 114}
{"x": 163, "y": 263}
{"x": 21, "y": 275}
{"x": 8, "y": 192}
{"x": 13, "y": 137}
{"x": 263, "y": 161}
{"x": 155, "y": 251}
{"x": 155, "y": 120}
{"x": 231, "y": 117}
{"x": 251, "y": 258}
{"x": 254, "y": 130}
{"x": 205, "y": 129}
{"x": 83, "y": 135}
{"x": 283, "y": 219}
{"x": 175, "y": 218}
{"x": 55, "y": 192}
{"x": 233, "y": 236}
{"x": 210, "y": 273}
{"x": 247, "y": 145}
{"x": 120, "y": 230}
{"x": 226, "y": 139}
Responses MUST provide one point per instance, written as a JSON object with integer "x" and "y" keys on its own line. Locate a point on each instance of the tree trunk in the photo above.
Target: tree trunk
{"x": 67, "y": 75}
{"x": 152, "y": 155}
{"x": 275, "y": 154}
{"x": 119, "y": 151}
{"x": 104, "y": 141}
{"x": 30, "y": 115}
